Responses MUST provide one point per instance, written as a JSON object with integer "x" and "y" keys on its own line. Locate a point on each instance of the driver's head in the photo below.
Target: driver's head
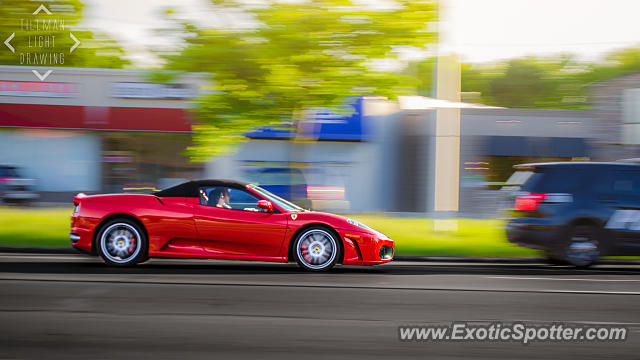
{"x": 220, "y": 196}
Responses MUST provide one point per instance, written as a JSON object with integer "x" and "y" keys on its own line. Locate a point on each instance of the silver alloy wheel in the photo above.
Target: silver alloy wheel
{"x": 120, "y": 242}
{"x": 316, "y": 249}
{"x": 582, "y": 250}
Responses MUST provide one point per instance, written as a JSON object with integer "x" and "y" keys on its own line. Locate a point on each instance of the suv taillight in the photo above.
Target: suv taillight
{"x": 530, "y": 201}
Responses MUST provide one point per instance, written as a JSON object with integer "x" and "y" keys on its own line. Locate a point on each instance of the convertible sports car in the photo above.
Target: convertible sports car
{"x": 220, "y": 219}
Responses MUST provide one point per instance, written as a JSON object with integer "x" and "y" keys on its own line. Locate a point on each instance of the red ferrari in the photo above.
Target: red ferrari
{"x": 220, "y": 219}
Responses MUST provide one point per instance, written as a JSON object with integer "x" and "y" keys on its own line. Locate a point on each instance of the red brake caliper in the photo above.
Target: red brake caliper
{"x": 132, "y": 247}
{"x": 305, "y": 252}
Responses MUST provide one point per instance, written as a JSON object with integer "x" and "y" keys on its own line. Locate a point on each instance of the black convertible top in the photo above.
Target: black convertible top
{"x": 190, "y": 188}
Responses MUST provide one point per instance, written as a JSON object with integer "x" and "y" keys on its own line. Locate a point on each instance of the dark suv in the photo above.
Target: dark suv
{"x": 575, "y": 212}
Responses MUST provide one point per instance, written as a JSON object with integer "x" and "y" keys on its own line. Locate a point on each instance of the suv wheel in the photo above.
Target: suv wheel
{"x": 583, "y": 246}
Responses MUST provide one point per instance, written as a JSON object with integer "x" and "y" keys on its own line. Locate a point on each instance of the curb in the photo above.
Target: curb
{"x": 425, "y": 259}
{"x": 35, "y": 250}
{"x": 468, "y": 259}
{"x": 49, "y": 250}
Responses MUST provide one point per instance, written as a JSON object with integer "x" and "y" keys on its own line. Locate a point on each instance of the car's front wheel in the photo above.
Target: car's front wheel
{"x": 316, "y": 249}
{"x": 122, "y": 242}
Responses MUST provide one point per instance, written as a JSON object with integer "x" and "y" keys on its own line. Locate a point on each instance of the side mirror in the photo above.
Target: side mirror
{"x": 264, "y": 204}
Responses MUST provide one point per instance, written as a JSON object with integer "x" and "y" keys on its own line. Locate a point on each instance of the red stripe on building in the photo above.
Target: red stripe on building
{"x": 95, "y": 117}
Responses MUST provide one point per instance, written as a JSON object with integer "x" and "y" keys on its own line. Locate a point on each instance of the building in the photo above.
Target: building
{"x": 381, "y": 154}
{"x": 344, "y": 157}
{"x": 616, "y": 106}
{"x": 96, "y": 130}
{"x": 100, "y": 130}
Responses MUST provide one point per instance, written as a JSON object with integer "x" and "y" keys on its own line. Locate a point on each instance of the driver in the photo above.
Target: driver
{"x": 220, "y": 197}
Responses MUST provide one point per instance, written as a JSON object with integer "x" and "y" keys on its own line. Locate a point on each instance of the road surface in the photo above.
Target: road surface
{"x": 55, "y": 306}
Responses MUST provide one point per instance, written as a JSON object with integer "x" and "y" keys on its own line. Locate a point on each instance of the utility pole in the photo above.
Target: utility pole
{"x": 446, "y": 177}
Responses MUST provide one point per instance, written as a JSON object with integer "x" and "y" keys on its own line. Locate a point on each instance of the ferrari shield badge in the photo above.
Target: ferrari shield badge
{"x": 294, "y": 216}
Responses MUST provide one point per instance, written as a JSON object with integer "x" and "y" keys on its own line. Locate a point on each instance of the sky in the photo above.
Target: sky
{"x": 477, "y": 30}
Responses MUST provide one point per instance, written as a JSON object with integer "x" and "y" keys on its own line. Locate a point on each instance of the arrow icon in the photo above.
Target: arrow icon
{"x": 6, "y": 42}
{"x": 42, "y": 7}
{"x": 42, "y": 77}
{"x": 74, "y": 45}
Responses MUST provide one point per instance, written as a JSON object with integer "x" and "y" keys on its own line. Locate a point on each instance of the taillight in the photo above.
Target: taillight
{"x": 76, "y": 202}
{"x": 530, "y": 201}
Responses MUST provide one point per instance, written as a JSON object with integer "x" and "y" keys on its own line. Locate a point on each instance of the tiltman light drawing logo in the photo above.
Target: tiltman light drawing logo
{"x": 41, "y": 30}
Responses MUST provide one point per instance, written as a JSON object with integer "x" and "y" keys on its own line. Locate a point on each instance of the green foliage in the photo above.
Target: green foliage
{"x": 299, "y": 56}
{"x": 529, "y": 83}
{"x": 546, "y": 83}
{"x": 95, "y": 50}
{"x": 616, "y": 63}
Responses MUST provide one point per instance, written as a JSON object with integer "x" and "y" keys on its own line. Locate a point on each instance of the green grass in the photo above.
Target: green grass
{"x": 49, "y": 227}
{"x": 451, "y": 237}
{"x": 26, "y": 227}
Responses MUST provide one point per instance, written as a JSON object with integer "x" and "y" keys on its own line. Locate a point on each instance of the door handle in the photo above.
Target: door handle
{"x": 607, "y": 201}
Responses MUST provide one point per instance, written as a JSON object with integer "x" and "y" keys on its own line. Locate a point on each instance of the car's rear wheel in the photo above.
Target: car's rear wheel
{"x": 122, "y": 242}
{"x": 316, "y": 249}
{"x": 582, "y": 247}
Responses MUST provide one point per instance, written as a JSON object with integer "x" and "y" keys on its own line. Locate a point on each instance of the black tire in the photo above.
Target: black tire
{"x": 583, "y": 246}
{"x": 317, "y": 248}
{"x": 122, "y": 242}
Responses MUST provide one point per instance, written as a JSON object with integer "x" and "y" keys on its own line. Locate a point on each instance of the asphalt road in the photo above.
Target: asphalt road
{"x": 74, "y": 307}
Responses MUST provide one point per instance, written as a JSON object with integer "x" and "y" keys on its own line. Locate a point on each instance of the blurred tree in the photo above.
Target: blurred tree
{"x": 298, "y": 56}
{"x": 548, "y": 83}
{"x": 524, "y": 84}
{"x": 95, "y": 50}
{"x": 616, "y": 63}
{"x": 558, "y": 82}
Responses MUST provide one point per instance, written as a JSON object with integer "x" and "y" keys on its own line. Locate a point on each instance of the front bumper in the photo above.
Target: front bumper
{"x": 366, "y": 249}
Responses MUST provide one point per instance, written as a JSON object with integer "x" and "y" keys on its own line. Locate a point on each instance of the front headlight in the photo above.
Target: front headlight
{"x": 358, "y": 224}
{"x": 76, "y": 208}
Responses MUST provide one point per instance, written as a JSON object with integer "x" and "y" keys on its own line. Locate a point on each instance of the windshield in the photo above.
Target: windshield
{"x": 276, "y": 200}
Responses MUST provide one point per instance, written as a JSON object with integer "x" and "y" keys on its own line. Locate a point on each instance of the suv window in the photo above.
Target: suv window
{"x": 622, "y": 182}
{"x": 229, "y": 198}
{"x": 556, "y": 180}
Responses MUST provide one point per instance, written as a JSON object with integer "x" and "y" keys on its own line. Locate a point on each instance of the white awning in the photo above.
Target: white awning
{"x": 426, "y": 103}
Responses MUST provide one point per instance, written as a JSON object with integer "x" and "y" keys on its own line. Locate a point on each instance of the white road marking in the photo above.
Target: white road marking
{"x": 203, "y": 281}
{"x": 560, "y": 279}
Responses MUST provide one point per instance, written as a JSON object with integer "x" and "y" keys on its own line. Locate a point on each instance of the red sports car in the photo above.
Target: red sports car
{"x": 220, "y": 219}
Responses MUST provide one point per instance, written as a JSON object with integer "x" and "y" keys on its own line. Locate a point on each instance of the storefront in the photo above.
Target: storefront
{"x": 96, "y": 130}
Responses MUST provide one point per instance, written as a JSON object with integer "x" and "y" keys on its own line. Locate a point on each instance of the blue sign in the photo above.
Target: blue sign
{"x": 322, "y": 124}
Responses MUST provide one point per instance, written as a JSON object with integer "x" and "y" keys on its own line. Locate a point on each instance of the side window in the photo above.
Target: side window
{"x": 229, "y": 198}
{"x": 561, "y": 180}
{"x": 625, "y": 182}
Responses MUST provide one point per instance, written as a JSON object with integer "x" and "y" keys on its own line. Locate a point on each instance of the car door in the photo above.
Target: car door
{"x": 235, "y": 226}
{"x": 621, "y": 198}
